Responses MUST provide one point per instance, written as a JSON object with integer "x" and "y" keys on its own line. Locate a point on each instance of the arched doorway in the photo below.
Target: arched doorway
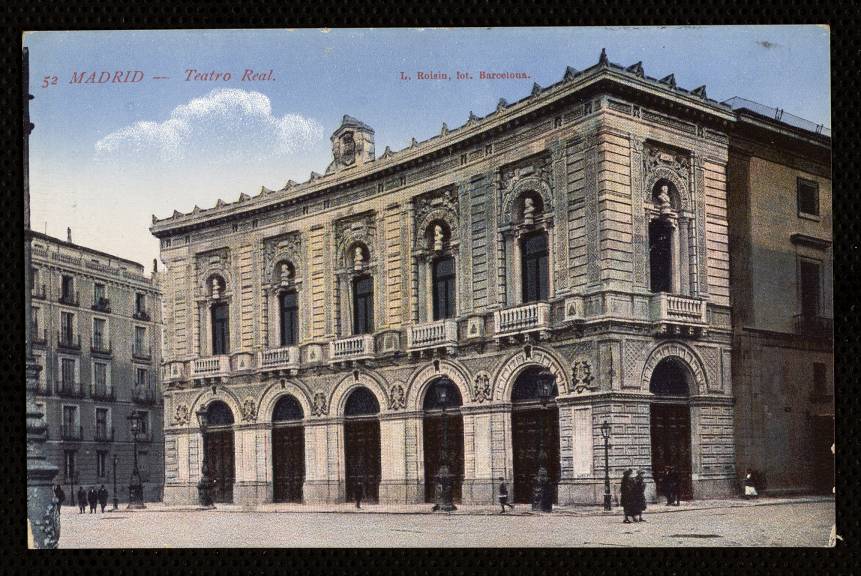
{"x": 219, "y": 451}
{"x": 534, "y": 429}
{"x": 443, "y": 436}
{"x": 362, "y": 444}
{"x": 288, "y": 450}
{"x": 671, "y": 424}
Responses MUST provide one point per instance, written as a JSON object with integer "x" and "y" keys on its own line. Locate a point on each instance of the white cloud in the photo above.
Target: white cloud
{"x": 224, "y": 124}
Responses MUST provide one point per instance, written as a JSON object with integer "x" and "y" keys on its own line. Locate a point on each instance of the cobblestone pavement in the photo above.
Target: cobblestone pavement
{"x": 767, "y": 522}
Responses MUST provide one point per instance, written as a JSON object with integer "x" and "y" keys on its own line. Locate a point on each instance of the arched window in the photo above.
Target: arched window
{"x": 287, "y": 409}
{"x": 363, "y": 305}
{"x": 361, "y": 402}
{"x": 218, "y": 414}
{"x": 443, "y": 288}
{"x": 220, "y": 328}
{"x": 288, "y": 305}
{"x": 671, "y": 378}
{"x": 534, "y": 256}
{"x": 660, "y": 255}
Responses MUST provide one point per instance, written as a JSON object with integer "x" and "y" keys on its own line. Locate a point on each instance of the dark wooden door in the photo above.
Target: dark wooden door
{"x": 671, "y": 445}
{"x": 823, "y": 459}
{"x": 362, "y": 449}
{"x": 219, "y": 456}
{"x": 526, "y": 429}
{"x": 288, "y": 463}
{"x": 433, "y": 446}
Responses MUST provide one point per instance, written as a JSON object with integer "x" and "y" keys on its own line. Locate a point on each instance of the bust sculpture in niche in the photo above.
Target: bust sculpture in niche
{"x": 528, "y": 211}
{"x": 438, "y": 237}
{"x": 664, "y": 203}
{"x": 358, "y": 258}
{"x": 216, "y": 288}
{"x": 285, "y": 274}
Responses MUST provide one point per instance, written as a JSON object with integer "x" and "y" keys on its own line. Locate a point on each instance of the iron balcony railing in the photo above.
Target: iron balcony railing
{"x": 70, "y": 432}
{"x": 103, "y": 434}
{"x": 103, "y": 392}
{"x": 69, "y": 298}
{"x": 68, "y": 341}
{"x": 102, "y": 305}
{"x": 144, "y": 394}
{"x": 69, "y": 389}
{"x": 39, "y": 292}
{"x": 778, "y": 114}
{"x": 140, "y": 352}
{"x": 100, "y": 345}
{"x": 141, "y": 315}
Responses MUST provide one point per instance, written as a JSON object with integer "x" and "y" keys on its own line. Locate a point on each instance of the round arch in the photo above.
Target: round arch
{"x": 661, "y": 173}
{"x": 206, "y": 397}
{"x": 204, "y": 278}
{"x": 442, "y": 215}
{"x": 275, "y": 391}
{"x": 341, "y": 392}
{"x": 533, "y": 183}
{"x": 421, "y": 379}
{"x": 507, "y": 374}
{"x": 681, "y": 353}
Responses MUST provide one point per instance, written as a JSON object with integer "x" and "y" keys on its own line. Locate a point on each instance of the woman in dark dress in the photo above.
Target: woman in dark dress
{"x": 627, "y": 491}
{"x": 639, "y": 496}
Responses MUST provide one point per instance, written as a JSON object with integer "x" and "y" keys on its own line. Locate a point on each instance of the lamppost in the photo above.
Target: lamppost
{"x": 542, "y": 498}
{"x": 204, "y": 485}
{"x": 135, "y": 484}
{"x": 116, "y": 499}
{"x": 605, "y": 432}
{"x": 444, "y": 502}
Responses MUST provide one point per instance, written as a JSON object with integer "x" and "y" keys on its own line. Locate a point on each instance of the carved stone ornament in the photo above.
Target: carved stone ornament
{"x": 582, "y": 372}
{"x": 397, "y": 398}
{"x": 181, "y": 415}
{"x": 352, "y": 230}
{"x": 440, "y": 205}
{"x": 319, "y": 407}
{"x": 249, "y": 410}
{"x": 280, "y": 250}
{"x": 483, "y": 390}
{"x": 656, "y": 158}
{"x": 51, "y": 524}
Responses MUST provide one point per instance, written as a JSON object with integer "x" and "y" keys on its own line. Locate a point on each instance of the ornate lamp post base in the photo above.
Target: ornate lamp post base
{"x": 136, "y": 499}
{"x": 444, "y": 502}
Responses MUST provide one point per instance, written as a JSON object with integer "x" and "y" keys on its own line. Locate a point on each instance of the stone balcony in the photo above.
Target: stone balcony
{"x": 430, "y": 335}
{"x": 519, "y": 320}
{"x": 351, "y": 349}
{"x": 210, "y": 367}
{"x": 285, "y": 358}
{"x": 674, "y": 314}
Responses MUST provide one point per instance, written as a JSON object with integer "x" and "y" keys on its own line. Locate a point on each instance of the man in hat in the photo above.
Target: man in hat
{"x": 503, "y": 495}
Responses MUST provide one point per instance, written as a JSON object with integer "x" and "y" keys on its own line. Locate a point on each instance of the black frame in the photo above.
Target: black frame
{"x": 801, "y": 185}
{"x": 534, "y": 266}
{"x": 288, "y": 315}
{"x": 444, "y": 288}
{"x": 220, "y": 318}
{"x": 363, "y": 305}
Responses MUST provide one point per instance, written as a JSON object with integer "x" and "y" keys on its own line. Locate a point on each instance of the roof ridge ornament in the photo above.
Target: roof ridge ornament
{"x": 244, "y": 197}
{"x": 221, "y": 203}
{"x": 196, "y": 209}
{"x": 700, "y": 91}
{"x": 413, "y": 142}
{"x": 386, "y": 153}
{"x": 536, "y": 89}
{"x": 637, "y": 69}
{"x": 669, "y": 80}
{"x": 289, "y": 184}
{"x": 602, "y": 59}
{"x": 314, "y": 176}
{"x": 502, "y": 104}
{"x": 443, "y": 132}
{"x": 570, "y": 73}
{"x": 472, "y": 119}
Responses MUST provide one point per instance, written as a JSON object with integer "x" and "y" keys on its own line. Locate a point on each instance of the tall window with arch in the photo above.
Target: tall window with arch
{"x": 288, "y": 304}
{"x": 663, "y": 247}
{"x": 534, "y": 256}
{"x": 363, "y": 304}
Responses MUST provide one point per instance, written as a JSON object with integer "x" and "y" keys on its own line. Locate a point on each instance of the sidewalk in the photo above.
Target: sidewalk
{"x": 478, "y": 510}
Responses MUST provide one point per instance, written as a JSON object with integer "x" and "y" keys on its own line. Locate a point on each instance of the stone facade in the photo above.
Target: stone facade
{"x": 783, "y": 353}
{"x": 111, "y": 350}
{"x": 583, "y": 163}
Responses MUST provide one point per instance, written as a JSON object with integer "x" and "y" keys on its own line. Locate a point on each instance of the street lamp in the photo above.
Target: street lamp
{"x": 444, "y": 502}
{"x": 116, "y": 499}
{"x": 204, "y": 485}
{"x": 542, "y": 499}
{"x": 135, "y": 485}
{"x": 605, "y": 433}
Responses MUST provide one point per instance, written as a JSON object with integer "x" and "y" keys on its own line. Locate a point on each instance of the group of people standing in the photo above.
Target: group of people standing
{"x": 633, "y": 495}
{"x": 92, "y": 497}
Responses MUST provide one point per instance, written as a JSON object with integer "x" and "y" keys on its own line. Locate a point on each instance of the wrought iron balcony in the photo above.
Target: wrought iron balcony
{"x": 522, "y": 319}
{"x": 144, "y": 436}
{"x": 69, "y": 389}
{"x": 68, "y": 341}
{"x": 102, "y": 305}
{"x": 813, "y": 325}
{"x": 139, "y": 352}
{"x": 100, "y": 345}
{"x": 103, "y": 434}
{"x": 69, "y": 298}
{"x": 39, "y": 292}
{"x": 141, "y": 315}
{"x": 284, "y": 358}
{"x": 353, "y": 348}
{"x": 103, "y": 392}
{"x": 144, "y": 394}
{"x": 69, "y": 432}
{"x": 429, "y": 335}
{"x": 210, "y": 367}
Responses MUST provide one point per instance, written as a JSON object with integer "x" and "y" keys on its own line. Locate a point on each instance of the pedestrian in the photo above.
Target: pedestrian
{"x": 360, "y": 492}
{"x": 676, "y": 483}
{"x": 60, "y": 496}
{"x": 749, "y": 487}
{"x": 627, "y": 491}
{"x": 103, "y": 497}
{"x": 671, "y": 486}
{"x": 639, "y": 496}
{"x": 503, "y": 495}
{"x": 82, "y": 500}
{"x": 92, "y": 499}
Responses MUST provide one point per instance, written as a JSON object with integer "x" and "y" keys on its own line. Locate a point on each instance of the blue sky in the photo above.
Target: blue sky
{"x": 104, "y": 157}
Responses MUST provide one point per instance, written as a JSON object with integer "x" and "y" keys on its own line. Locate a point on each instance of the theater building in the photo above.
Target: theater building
{"x": 406, "y": 308}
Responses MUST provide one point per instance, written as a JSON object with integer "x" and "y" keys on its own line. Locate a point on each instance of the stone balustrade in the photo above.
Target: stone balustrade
{"x": 522, "y": 319}
{"x": 284, "y": 358}
{"x": 441, "y": 333}
{"x": 353, "y": 348}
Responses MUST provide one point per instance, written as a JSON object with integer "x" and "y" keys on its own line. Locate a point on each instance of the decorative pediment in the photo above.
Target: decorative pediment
{"x": 352, "y": 230}
{"x": 287, "y": 247}
{"x": 535, "y": 175}
{"x": 440, "y": 205}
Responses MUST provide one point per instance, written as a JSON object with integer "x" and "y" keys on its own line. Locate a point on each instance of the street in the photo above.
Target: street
{"x": 804, "y": 523}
